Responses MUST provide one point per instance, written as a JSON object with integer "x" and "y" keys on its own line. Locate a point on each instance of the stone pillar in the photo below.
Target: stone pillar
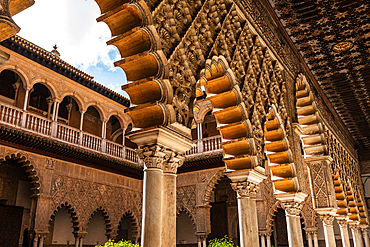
{"x": 263, "y": 242}
{"x": 246, "y": 184}
{"x": 35, "y": 241}
{"x": 315, "y": 239}
{"x": 81, "y": 125}
{"x": 16, "y": 86}
{"x": 169, "y": 199}
{"x": 160, "y": 148}
{"x": 50, "y": 102}
{"x": 292, "y": 204}
{"x": 327, "y": 221}
{"x": 268, "y": 239}
{"x": 200, "y": 137}
{"x": 343, "y": 224}
{"x": 365, "y": 233}
{"x": 355, "y": 234}
{"x": 309, "y": 239}
{"x": 152, "y": 195}
{"x": 360, "y": 237}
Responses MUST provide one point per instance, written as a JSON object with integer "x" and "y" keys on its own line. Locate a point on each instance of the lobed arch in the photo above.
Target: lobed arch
{"x": 76, "y": 96}
{"x": 71, "y": 211}
{"x": 30, "y": 166}
{"x": 20, "y": 72}
{"x": 215, "y": 179}
{"x": 187, "y": 211}
{"x": 107, "y": 220}
{"x": 47, "y": 84}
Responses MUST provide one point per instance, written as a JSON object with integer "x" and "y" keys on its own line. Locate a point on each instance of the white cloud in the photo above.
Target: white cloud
{"x": 71, "y": 24}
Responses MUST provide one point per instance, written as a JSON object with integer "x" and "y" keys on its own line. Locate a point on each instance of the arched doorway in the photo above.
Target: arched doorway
{"x": 224, "y": 208}
{"x": 96, "y": 230}
{"x": 15, "y": 203}
{"x": 92, "y": 121}
{"x": 125, "y": 228}
{"x": 114, "y": 130}
{"x": 69, "y": 112}
{"x": 61, "y": 228}
{"x": 40, "y": 101}
{"x": 185, "y": 231}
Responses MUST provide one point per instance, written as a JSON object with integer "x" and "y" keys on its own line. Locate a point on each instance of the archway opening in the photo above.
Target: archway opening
{"x": 185, "y": 230}
{"x": 40, "y": 101}
{"x": 92, "y": 121}
{"x": 15, "y": 203}
{"x": 224, "y": 207}
{"x": 280, "y": 238}
{"x": 125, "y": 228}
{"x": 69, "y": 112}
{"x": 114, "y": 130}
{"x": 61, "y": 228}
{"x": 96, "y": 230}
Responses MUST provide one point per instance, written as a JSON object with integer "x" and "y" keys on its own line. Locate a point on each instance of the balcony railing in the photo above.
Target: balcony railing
{"x": 18, "y": 118}
{"x": 206, "y": 145}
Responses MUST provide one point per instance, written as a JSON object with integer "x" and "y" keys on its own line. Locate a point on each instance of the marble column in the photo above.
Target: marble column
{"x": 35, "y": 241}
{"x": 268, "y": 239}
{"x": 160, "y": 149}
{"x": 169, "y": 199}
{"x": 343, "y": 224}
{"x": 309, "y": 238}
{"x": 355, "y": 234}
{"x": 292, "y": 204}
{"x": 50, "y": 102}
{"x": 315, "y": 239}
{"x": 327, "y": 221}
{"x": 152, "y": 195}
{"x": 365, "y": 233}
{"x": 263, "y": 242}
{"x": 247, "y": 212}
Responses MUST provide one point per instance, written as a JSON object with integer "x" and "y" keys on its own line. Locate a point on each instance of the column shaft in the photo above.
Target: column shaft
{"x": 81, "y": 241}
{"x": 315, "y": 240}
{"x": 344, "y": 232}
{"x": 152, "y": 204}
{"x": 169, "y": 210}
{"x": 355, "y": 235}
{"x": 248, "y": 223}
{"x": 327, "y": 221}
{"x": 309, "y": 239}
{"x": 294, "y": 228}
{"x": 365, "y": 232}
{"x": 268, "y": 240}
{"x": 36, "y": 241}
{"x": 263, "y": 244}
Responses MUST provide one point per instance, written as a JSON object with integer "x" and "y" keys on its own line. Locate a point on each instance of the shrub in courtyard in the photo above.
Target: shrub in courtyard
{"x": 223, "y": 242}
{"x": 121, "y": 243}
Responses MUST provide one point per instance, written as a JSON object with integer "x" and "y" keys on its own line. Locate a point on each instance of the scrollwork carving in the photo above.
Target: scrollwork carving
{"x": 292, "y": 208}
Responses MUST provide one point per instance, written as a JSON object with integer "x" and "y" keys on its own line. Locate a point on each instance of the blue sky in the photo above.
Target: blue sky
{"x": 81, "y": 41}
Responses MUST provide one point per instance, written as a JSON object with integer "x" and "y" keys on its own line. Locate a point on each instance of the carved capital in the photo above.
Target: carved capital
{"x": 292, "y": 207}
{"x": 245, "y": 188}
{"x": 174, "y": 161}
{"x": 327, "y": 220}
{"x": 343, "y": 223}
{"x": 153, "y": 156}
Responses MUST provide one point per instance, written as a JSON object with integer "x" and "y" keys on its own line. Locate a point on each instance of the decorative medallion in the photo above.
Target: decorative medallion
{"x": 342, "y": 46}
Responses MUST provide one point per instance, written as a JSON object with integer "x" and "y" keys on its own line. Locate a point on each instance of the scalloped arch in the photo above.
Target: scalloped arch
{"x": 215, "y": 179}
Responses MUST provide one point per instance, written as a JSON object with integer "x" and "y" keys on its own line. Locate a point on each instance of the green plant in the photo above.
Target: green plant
{"x": 223, "y": 242}
{"x": 121, "y": 243}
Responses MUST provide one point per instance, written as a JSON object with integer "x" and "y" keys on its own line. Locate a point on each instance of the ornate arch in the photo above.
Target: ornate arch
{"x": 108, "y": 227}
{"x": 76, "y": 96}
{"x": 215, "y": 179}
{"x": 29, "y": 164}
{"x": 280, "y": 157}
{"x": 271, "y": 214}
{"x": 71, "y": 212}
{"x": 190, "y": 214}
{"x": 53, "y": 91}
{"x": 22, "y": 74}
{"x": 98, "y": 107}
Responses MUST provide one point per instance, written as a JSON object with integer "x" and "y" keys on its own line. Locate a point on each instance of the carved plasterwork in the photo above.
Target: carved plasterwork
{"x": 186, "y": 201}
{"x": 85, "y": 197}
{"x": 211, "y": 185}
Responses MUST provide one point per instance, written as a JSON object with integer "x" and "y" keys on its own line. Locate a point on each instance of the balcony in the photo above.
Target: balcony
{"x": 205, "y": 146}
{"x": 24, "y": 120}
